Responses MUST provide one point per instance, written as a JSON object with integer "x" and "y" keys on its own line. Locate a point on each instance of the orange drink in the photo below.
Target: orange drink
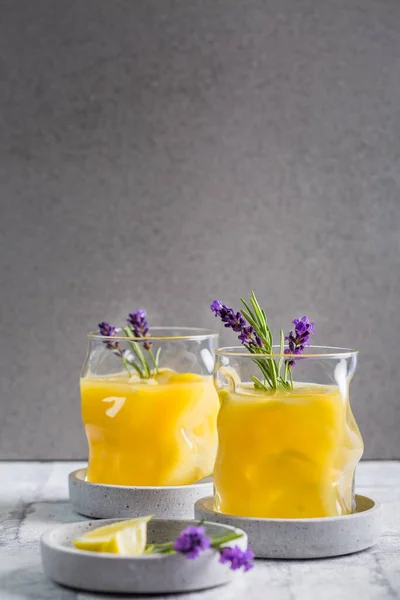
{"x": 160, "y": 431}
{"x": 288, "y": 454}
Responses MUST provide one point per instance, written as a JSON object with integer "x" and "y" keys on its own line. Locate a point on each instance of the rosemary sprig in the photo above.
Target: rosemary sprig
{"x": 268, "y": 366}
{"x": 256, "y": 336}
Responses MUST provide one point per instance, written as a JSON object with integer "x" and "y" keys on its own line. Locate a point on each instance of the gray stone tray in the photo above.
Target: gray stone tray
{"x": 101, "y": 501}
{"x": 102, "y": 572}
{"x": 305, "y": 538}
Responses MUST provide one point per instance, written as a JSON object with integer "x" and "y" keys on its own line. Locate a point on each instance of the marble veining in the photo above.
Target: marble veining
{"x": 34, "y": 498}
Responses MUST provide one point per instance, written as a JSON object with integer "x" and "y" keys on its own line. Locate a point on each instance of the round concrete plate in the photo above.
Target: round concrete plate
{"x": 102, "y": 501}
{"x": 146, "y": 574}
{"x": 305, "y": 538}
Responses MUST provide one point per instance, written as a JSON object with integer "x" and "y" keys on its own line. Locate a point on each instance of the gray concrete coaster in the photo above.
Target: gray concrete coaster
{"x": 305, "y": 538}
{"x": 101, "y": 501}
{"x": 102, "y": 572}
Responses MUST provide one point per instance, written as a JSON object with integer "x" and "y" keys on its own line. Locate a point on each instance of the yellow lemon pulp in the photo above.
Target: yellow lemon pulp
{"x": 124, "y": 537}
{"x": 157, "y": 432}
{"x": 289, "y": 454}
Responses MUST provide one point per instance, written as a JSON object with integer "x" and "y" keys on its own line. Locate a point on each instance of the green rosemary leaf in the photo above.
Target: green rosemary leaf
{"x": 259, "y": 384}
{"x": 285, "y": 374}
{"x": 158, "y": 358}
{"x": 268, "y": 329}
{"x": 154, "y": 359}
{"x": 254, "y": 319}
{"x": 134, "y": 365}
{"x": 138, "y": 352}
{"x": 125, "y": 363}
{"x": 258, "y": 312}
{"x": 243, "y": 301}
{"x": 281, "y": 349}
{"x": 250, "y": 319}
{"x": 256, "y": 336}
{"x": 217, "y": 541}
{"x": 265, "y": 369}
{"x": 274, "y": 373}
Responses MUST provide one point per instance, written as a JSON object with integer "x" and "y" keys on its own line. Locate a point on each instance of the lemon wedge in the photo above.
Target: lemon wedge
{"x": 128, "y": 542}
{"x": 125, "y": 538}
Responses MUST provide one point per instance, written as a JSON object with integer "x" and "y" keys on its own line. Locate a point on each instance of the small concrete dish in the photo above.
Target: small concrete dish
{"x": 146, "y": 574}
{"x": 305, "y": 538}
{"x": 103, "y": 501}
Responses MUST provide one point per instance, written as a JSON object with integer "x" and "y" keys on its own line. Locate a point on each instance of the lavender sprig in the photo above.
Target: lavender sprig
{"x": 235, "y": 321}
{"x": 137, "y": 328}
{"x": 193, "y": 541}
{"x": 237, "y": 558}
{"x": 255, "y": 335}
{"x": 108, "y": 330}
{"x": 140, "y": 328}
{"x": 298, "y": 341}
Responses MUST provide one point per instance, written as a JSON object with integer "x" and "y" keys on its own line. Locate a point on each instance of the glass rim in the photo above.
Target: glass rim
{"x": 189, "y": 333}
{"x": 321, "y": 352}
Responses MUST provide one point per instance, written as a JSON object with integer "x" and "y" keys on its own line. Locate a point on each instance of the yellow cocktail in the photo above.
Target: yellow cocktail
{"x": 287, "y": 453}
{"x": 160, "y": 431}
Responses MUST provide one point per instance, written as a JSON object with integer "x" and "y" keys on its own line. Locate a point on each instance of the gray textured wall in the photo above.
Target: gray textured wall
{"x": 164, "y": 153}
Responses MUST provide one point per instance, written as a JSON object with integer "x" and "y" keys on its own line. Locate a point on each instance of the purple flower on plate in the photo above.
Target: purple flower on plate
{"x": 299, "y": 339}
{"x": 138, "y": 322}
{"x": 192, "y": 541}
{"x": 237, "y": 322}
{"x": 237, "y": 558}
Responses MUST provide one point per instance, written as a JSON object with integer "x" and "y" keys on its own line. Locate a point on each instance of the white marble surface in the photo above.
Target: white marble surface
{"x": 34, "y": 498}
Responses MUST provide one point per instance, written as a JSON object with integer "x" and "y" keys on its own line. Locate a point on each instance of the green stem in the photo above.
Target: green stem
{"x": 134, "y": 365}
{"x": 285, "y": 373}
{"x": 154, "y": 358}
{"x": 259, "y": 384}
{"x": 145, "y": 374}
{"x": 124, "y": 362}
{"x": 168, "y": 547}
{"x": 274, "y": 374}
{"x": 270, "y": 368}
{"x": 139, "y": 353}
{"x": 281, "y": 350}
{"x": 217, "y": 541}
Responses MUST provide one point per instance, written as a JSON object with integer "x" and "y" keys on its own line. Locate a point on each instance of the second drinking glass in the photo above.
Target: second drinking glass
{"x": 149, "y": 406}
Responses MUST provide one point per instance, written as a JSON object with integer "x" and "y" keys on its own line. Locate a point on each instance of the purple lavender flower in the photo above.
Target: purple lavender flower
{"x": 192, "y": 541}
{"x": 237, "y": 322}
{"x": 237, "y": 558}
{"x": 108, "y": 330}
{"x": 299, "y": 340}
{"x": 138, "y": 321}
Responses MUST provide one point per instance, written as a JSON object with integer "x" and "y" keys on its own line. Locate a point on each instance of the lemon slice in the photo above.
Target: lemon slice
{"x": 99, "y": 544}
{"x": 109, "y": 538}
{"x": 129, "y": 542}
{"x": 228, "y": 378}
